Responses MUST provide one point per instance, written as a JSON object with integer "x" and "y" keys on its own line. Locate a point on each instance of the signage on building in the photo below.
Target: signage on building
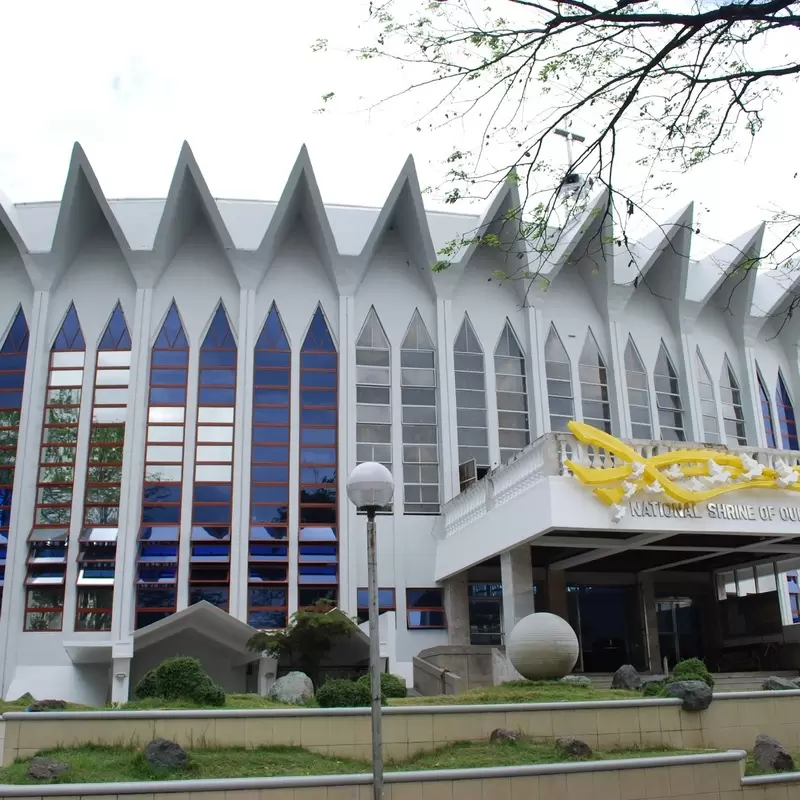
{"x": 688, "y": 481}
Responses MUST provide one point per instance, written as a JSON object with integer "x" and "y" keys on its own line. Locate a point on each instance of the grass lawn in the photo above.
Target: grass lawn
{"x": 101, "y": 764}
{"x": 522, "y": 692}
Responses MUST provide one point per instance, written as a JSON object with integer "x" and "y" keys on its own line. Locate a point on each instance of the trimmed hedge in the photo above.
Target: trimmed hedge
{"x": 391, "y": 685}
{"x": 343, "y": 694}
{"x": 692, "y": 669}
{"x": 180, "y": 678}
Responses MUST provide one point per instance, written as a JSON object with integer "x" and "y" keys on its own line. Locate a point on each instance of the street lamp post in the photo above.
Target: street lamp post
{"x": 370, "y": 488}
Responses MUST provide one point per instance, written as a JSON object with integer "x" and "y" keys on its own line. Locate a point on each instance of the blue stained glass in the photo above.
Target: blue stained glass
{"x": 385, "y": 598}
{"x": 268, "y": 416}
{"x": 167, "y": 377}
{"x": 319, "y": 380}
{"x": 271, "y": 397}
{"x": 426, "y": 619}
{"x": 318, "y": 337}
{"x": 319, "y": 436}
{"x": 216, "y": 397}
{"x": 312, "y": 416}
{"x": 276, "y": 455}
{"x": 310, "y": 397}
{"x": 217, "y": 377}
{"x": 317, "y": 455}
{"x": 17, "y": 338}
{"x": 273, "y": 358}
{"x": 218, "y": 358}
{"x": 317, "y": 361}
{"x": 272, "y": 336}
{"x": 159, "y": 534}
{"x": 211, "y": 514}
{"x": 11, "y": 380}
{"x": 268, "y": 573}
{"x": 318, "y": 552}
{"x": 212, "y": 493}
{"x": 318, "y": 534}
{"x": 14, "y": 361}
{"x": 208, "y": 551}
{"x": 263, "y": 620}
{"x": 159, "y": 552}
{"x": 267, "y": 514}
{"x": 172, "y": 396}
{"x": 170, "y": 358}
{"x": 10, "y": 399}
{"x": 766, "y": 413}
{"x": 269, "y": 474}
{"x": 270, "y": 435}
{"x": 98, "y": 572}
{"x": 268, "y": 533}
{"x": 269, "y": 552}
{"x": 263, "y": 596}
{"x": 318, "y": 474}
{"x": 161, "y": 513}
{"x": 786, "y": 417}
{"x": 70, "y": 336}
{"x": 116, "y": 336}
{"x": 213, "y": 534}
{"x": 5, "y": 496}
{"x": 219, "y": 333}
{"x": 270, "y": 494}
{"x": 271, "y": 377}
{"x": 5, "y": 516}
{"x": 317, "y": 573}
{"x": 162, "y": 493}
{"x": 171, "y": 336}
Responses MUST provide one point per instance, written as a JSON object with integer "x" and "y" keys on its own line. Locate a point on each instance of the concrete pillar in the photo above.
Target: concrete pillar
{"x": 267, "y": 673}
{"x": 120, "y": 680}
{"x": 456, "y": 606}
{"x": 557, "y": 593}
{"x": 516, "y": 573}
{"x": 647, "y": 597}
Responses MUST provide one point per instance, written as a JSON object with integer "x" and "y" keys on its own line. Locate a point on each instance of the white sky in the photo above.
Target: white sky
{"x": 131, "y": 80}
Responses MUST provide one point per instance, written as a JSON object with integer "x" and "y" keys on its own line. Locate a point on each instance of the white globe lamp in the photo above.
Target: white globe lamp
{"x": 542, "y": 646}
{"x": 370, "y": 486}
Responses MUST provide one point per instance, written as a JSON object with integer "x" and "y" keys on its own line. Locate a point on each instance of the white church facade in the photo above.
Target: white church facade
{"x": 185, "y": 384}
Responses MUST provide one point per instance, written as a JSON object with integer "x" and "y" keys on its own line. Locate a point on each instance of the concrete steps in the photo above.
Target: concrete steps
{"x": 723, "y": 681}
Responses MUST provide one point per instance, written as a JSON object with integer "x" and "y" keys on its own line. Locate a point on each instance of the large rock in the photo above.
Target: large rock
{"x": 574, "y": 747}
{"x": 295, "y": 688}
{"x": 164, "y": 754}
{"x": 542, "y": 646}
{"x": 503, "y": 735}
{"x": 577, "y": 680}
{"x": 47, "y": 705}
{"x": 775, "y": 684}
{"x": 45, "y": 769}
{"x": 626, "y": 677}
{"x": 696, "y": 695}
{"x": 771, "y": 755}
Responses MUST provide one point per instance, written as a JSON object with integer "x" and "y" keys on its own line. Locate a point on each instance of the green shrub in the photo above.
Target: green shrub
{"x": 391, "y": 685}
{"x": 653, "y": 688}
{"x": 692, "y": 669}
{"x": 344, "y": 694}
{"x": 180, "y": 678}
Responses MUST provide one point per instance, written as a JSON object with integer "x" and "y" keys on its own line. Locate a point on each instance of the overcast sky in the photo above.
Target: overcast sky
{"x": 132, "y": 80}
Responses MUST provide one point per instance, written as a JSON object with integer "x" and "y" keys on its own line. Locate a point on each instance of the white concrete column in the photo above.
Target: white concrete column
{"x": 267, "y": 673}
{"x": 620, "y": 413}
{"x": 349, "y": 523}
{"x": 448, "y": 426}
{"x": 751, "y": 402}
{"x": 534, "y": 370}
{"x": 686, "y": 363}
{"x": 456, "y": 607}
{"x": 120, "y": 679}
{"x": 516, "y": 573}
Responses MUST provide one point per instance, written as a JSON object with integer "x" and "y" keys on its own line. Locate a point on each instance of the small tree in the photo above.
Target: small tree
{"x": 311, "y": 635}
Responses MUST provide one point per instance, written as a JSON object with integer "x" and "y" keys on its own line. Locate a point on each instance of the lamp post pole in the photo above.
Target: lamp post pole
{"x": 374, "y": 657}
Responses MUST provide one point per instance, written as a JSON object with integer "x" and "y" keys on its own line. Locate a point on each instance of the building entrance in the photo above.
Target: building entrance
{"x": 680, "y": 629}
{"x": 609, "y": 627}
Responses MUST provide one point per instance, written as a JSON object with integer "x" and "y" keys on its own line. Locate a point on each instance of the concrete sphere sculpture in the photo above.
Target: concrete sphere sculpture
{"x": 542, "y": 646}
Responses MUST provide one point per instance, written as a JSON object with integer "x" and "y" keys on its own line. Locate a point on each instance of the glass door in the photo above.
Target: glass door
{"x": 680, "y": 629}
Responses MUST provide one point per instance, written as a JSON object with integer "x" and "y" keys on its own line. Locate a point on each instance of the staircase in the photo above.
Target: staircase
{"x": 723, "y": 681}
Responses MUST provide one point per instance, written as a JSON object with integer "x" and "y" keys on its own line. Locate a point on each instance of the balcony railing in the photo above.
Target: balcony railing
{"x": 547, "y": 456}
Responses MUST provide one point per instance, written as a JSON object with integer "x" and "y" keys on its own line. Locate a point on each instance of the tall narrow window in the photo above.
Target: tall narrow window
{"x": 732, "y": 413}
{"x": 210, "y": 560}
{"x": 159, "y": 536}
{"x": 473, "y": 442}
{"x": 98, "y": 540}
{"x": 512, "y": 394}
{"x": 13, "y": 358}
{"x": 373, "y": 394}
{"x": 786, "y": 419}
{"x": 267, "y": 581}
{"x": 49, "y": 537}
{"x": 594, "y": 385}
{"x": 766, "y": 412}
{"x": 318, "y": 550}
{"x": 559, "y": 382}
{"x": 668, "y": 398}
{"x": 638, "y": 393}
{"x": 708, "y": 404}
{"x": 420, "y": 433}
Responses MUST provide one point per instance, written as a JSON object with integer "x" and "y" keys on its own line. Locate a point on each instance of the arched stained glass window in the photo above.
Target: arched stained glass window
{"x": 766, "y": 411}
{"x": 212, "y": 514}
{"x": 49, "y": 537}
{"x": 159, "y": 535}
{"x": 732, "y": 413}
{"x": 13, "y": 359}
{"x": 420, "y": 431}
{"x": 594, "y": 385}
{"x": 708, "y": 403}
{"x": 268, "y": 580}
{"x": 786, "y": 420}
{"x": 559, "y": 382}
{"x": 668, "y": 398}
{"x": 638, "y": 393}
{"x": 98, "y": 540}
{"x": 373, "y": 394}
{"x": 470, "y": 375}
{"x": 318, "y": 548}
{"x": 512, "y": 394}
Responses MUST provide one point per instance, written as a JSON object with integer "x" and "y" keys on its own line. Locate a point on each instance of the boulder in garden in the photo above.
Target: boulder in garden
{"x": 164, "y": 754}
{"x": 577, "y": 680}
{"x": 45, "y": 769}
{"x": 503, "y": 735}
{"x": 771, "y": 755}
{"x": 696, "y": 695}
{"x": 574, "y": 747}
{"x": 295, "y": 688}
{"x": 776, "y": 684}
{"x": 626, "y": 677}
{"x": 47, "y": 705}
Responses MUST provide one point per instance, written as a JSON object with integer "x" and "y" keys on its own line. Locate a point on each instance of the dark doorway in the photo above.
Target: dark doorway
{"x": 680, "y": 629}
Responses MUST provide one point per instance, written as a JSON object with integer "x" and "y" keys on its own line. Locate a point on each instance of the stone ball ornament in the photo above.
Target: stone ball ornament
{"x": 541, "y": 646}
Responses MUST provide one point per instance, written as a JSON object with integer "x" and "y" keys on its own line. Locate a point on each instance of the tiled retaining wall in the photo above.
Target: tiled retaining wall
{"x": 716, "y": 776}
{"x": 732, "y": 721}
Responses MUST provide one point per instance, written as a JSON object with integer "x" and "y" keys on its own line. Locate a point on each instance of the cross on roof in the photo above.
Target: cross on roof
{"x": 570, "y": 137}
